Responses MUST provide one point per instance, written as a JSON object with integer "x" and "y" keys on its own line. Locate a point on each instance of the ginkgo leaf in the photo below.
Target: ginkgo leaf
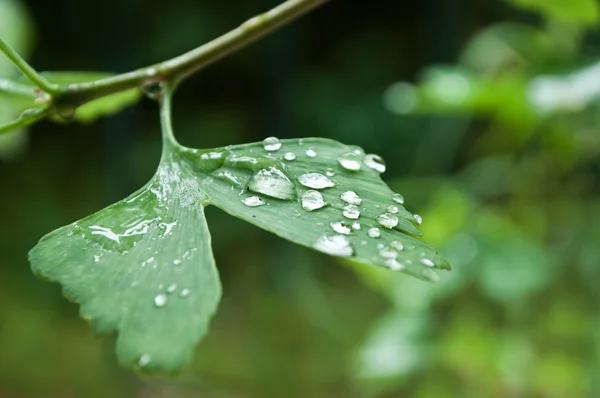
{"x": 143, "y": 267}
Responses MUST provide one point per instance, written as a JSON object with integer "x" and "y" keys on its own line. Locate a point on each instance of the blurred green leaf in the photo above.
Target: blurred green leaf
{"x": 581, "y": 12}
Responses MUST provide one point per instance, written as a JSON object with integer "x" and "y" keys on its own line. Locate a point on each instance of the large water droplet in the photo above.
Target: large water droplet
{"x": 311, "y": 153}
{"x": 336, "y": 245}
{"x": 341, "y": 227}
{"x": 350, "y": 161}
{"x": 427, "y": 262}
{"x": 271, "y": 144}
{"x": 312, "y": 200}
{"x": 289, "y": 156}
{"x": 351, "y": 197}
{"x": 418, "y": 219}
{"x": 393, "y": 209}
{"x": 351, "y": 211}
{"x": 387, "y": 220}
{"x": 398, "y": 198}
{"x": 160, "y": 300}
{"x": 374, "y": 232}
{"x": 315, "y": 181}
{"x": 253, "y": 201}
{"x": 272, "y": 182}
{"x": 375, "y": 162}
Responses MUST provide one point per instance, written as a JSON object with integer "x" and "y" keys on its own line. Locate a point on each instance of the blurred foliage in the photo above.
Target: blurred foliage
{"x": 487, "y": 116}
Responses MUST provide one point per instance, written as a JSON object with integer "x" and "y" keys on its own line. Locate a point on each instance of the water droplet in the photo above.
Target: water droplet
{"x": 341, "y": 227}
{"x": 96, "y": 259}
{"x": 271, "y": 144}
{"x": 172, "y": 287}
{"x": 106, "y": 232}
{"x": 393, "y": 209}
{"x": 398, "y": 198}
{"x": 272, "y": 182}
{"x": 336, "y": 245}
{"x": 185, "y": 293}
{"x": 315, "y": 181}
{"x": 427, "y": 262}
{"x": 351, "y": 211}
{"x": 350, "y": 161}
{"x": 153, "y": 90}
{"x": 310, "y": 152}
{"x": 144, "y": 360}
{"x": 329, "y": 172}
{"x": 312, "y": 200}
{"x": 375, "y": 162}
{"x": 289, "y": 156}
{"x": 160, "y": 300}
{"x": 388, "y": 253}
{"x": 146, "y": 262}
{"x": 431, "y": 275}
{"x": 397, "y": 245}
{"x": 393, "y": 264}
{"x": 177, "y": 262}
{"x": 253, "y": 201}
{"x": 374, "y": 232}
{"x": 356, "y": 226}
{"x": 418, "y": 219}
{"x": 351, "y": 197}
{"x": 387, "y": 220}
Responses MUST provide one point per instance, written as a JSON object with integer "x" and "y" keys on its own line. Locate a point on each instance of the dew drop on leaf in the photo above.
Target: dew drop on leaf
{"x": 312, "y": 200}
{"x": 427, "y": 262}
{"x": 393, "y": 264}
{"x": 272, "y": 182}
{"x": 329, "y": 172}
{"x": 177, "y": 262}
{"x": 271, "y": 144}
{"x": 315, "y": 181}
{"x": 160, "y": 300}
{"x": 311, "y": 153}
{"x": 351, "y": 197}
{"x": 388, "y": 252}
{"x": 393, "y": 209}
{"x": 418, "y": 219}
{"x": 336, "y": 245}
{"x": 397, "y": 245}
{"x": 356, "y": 226}
{"x": 387, "y": 220}
{"x": 144, "y": 360}
{"x": 351, "y": 211}
{"x": 374, "y": 232}
{"x": 185, "y": 293}
{"x": 398, "y": 198}
{"x": 375, "y": 162}
{"x": 172, "y": 287}
{"x": 341, "y": 227}
{"x": 350, "y": 161}
{"x": 253, "y": 201}
{"x": 289, "y": 156}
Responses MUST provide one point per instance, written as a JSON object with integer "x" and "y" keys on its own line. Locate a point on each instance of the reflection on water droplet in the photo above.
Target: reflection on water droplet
{"x": 375, "y": 162}
{"x": 418, "y": 219}
{"x": 397, "y": 245}
{"x": 340, "y": 227}
{"x": 374, "y": 232}
{"x": 106, "y": 232}
{"x": 253, "y": 201}
{"x": 336, "y": 245}
{"x": 387, "y": 220}
{"x": 160, "y": 300}
{"x": 351, "y": 211}
{"x": 144, "y": 360}
{"x": 272, "y": 182}
{"x": 351, "y": 197}
{"x": 310, "y": 152}
{"x": 289, "y": 156}
{"x": 172, "y": 287}
{"x": 427, "y": 262}
{"x": 356, "y": 226}
{"x": 271, "y": 144}
{"x": 315, "y": 181}
{"x": 185, "y": 293}
{"x": 398, "y": 198}
{"x": 393, "y": 209}
{"x": 350, "y": 161}
{"x": 312, "y": 200}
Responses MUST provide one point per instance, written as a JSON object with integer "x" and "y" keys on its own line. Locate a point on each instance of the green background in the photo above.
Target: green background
{"x": 486, "y": 113}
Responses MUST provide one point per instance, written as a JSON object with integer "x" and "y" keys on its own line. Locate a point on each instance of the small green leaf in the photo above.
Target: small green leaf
{"x": 142, "y": 266}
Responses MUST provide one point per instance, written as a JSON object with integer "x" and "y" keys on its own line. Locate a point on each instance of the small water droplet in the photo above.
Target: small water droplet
{"x": 177, "y": 262}
{"x": 397, "y": 245}
{"x": 153, "y": 90}
{"x": 272, "y": 182}
{"x": 160, "y": 300}
{"x": 431, "y": 275}
{"x": 253, "y": 201}
{"x": 341, "y": 227}
{"x": 172, "y": 287}
{"x": 375, "y": 162}
{"x": 393, "y": 209}
{"x": 312, "y": 200}
{"x": 271, "y": 144}
{"x": 315, "y": 181}
{"x": 393, "y": 264}
{"x": 185, "y": 293}
{"x": 418, "y": 219}
{"x": 96, "y": 259}
{"x": 350, "y": 161}
{"x": 329, "y": 172}
{"x": 351, "y": 211}
{"x": 374, "y": 232}
{"x": 356, "y": 226}
{"x": 388, "y": 253}
{"x": 310, "y": 152}
{"x": 351, "y": 197}
{"x": 336, "y": 245}
{"x": 289, "y": 156}
{"x": 398, "y": 198}
{"x": 387, "y": 220}
{"x": 427, "y": 262}
{"x": 144, "y": 360}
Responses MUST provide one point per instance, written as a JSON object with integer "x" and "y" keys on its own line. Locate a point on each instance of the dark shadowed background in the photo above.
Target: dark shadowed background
{"x": 487, "y": 115}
